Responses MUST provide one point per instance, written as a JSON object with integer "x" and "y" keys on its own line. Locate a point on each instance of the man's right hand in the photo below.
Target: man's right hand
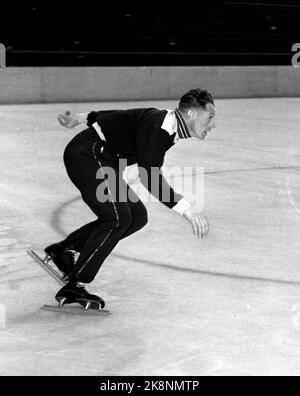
{"x": 199, "y": 223}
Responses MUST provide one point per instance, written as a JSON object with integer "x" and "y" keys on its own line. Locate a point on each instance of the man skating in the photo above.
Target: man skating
{"x": 139, "y": 136}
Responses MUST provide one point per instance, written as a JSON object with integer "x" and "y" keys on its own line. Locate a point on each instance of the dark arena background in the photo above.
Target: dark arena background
{"x": 226, "y": 305}
{"x": 156, "y": 33}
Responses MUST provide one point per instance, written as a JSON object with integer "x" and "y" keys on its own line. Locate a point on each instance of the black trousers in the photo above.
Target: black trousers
{"x": 86, "y": 157}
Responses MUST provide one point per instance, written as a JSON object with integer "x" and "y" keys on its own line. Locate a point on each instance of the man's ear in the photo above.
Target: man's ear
{"x": 190, "y": 114}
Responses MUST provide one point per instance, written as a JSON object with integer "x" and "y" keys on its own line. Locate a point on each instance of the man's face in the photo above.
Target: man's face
{"x": 201, "y": 121}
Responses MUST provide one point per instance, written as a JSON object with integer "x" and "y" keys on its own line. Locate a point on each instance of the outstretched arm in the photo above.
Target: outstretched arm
{"x": 150, "y": 160}
{"x": 70, "y": 121}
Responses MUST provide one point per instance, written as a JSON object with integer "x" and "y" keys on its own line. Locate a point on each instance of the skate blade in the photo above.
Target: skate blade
{"x": 75, "y": 310}
{"x": 86, "y": 304}
{"x": 44, "y": 264}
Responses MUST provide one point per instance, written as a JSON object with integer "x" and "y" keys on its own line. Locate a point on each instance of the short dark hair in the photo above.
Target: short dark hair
{"x": 195, "y": 98}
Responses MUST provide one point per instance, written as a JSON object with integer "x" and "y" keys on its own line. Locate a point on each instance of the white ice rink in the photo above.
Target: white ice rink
{"x": 227, "y": 305}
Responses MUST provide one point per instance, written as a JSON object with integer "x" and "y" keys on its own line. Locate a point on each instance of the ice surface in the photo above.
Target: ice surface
{"x": 227, "y": 305}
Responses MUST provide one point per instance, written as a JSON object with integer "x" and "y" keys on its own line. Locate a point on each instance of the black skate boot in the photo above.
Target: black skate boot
{"x": 74, "y": 292}
{"x": 64, "y": 258}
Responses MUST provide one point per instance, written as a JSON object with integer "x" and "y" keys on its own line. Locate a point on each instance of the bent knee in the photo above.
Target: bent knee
{"x": 144, "y": 219}
{"x": 141, "y": 220}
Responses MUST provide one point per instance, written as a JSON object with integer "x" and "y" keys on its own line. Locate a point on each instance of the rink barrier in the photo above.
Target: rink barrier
{"x": 95, "y": 84}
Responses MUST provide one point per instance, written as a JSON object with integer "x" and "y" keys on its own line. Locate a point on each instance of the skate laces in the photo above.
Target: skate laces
{"x": 81, "y": 285}
{"x": 75, "y": 255}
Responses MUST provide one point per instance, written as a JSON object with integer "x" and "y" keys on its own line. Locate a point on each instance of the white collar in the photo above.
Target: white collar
{"x": 170, "y": 124}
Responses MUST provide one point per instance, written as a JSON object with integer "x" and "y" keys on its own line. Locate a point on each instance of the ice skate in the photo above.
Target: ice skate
{"x": 63, "y": 257}
{"x": 75, "y": 292}
{"x": 45, "y": 263}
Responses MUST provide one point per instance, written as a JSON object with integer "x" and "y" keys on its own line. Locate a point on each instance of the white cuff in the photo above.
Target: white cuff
{"x": 182, "y": 206}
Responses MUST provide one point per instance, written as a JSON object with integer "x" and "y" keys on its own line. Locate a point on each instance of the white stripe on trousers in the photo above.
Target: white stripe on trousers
{"x": 116, "y": 213}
